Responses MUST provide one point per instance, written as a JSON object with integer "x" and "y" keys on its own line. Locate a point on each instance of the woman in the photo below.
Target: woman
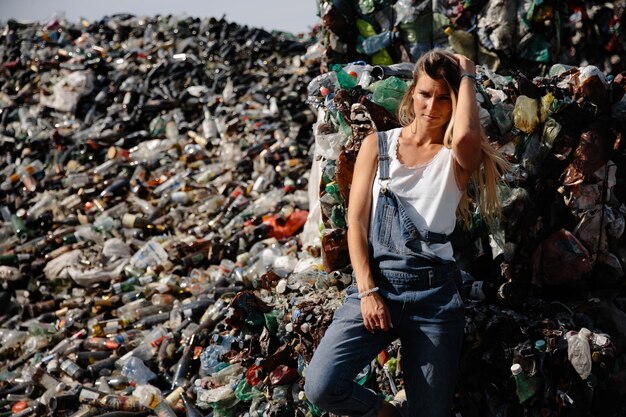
{"x": 408, "y": 185}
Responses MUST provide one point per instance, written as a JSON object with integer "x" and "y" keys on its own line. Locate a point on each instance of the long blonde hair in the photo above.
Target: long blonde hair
{"x": 439, "y": 64}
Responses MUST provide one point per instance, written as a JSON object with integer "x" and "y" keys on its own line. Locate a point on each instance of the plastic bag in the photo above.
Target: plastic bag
{"x": 388, "y": 93}
{"x": 328, "y": 145}
{"x": 246, "y": 392}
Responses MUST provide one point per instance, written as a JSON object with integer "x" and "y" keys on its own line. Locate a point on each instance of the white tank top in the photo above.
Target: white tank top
{"x": 429, "y": 192}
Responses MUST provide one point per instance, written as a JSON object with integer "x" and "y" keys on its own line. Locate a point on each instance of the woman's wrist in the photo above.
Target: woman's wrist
{"x": 469, "y": 76}
{"x": 368, "y": 292}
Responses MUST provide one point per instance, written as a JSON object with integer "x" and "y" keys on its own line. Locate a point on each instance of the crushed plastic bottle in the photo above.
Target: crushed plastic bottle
{"x": 579, "y": 351}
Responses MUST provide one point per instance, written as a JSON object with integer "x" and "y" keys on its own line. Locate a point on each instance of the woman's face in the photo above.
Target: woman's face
{"x": 432, "y": 102}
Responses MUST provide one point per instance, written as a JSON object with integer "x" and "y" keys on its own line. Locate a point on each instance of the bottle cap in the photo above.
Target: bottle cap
{"x": 128, "y": 220}
{"x": 516, "y": 369}
{"x": 540, "y": 345}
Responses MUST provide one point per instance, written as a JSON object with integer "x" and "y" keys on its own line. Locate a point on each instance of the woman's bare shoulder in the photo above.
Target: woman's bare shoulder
{"x": 369, "y": 146}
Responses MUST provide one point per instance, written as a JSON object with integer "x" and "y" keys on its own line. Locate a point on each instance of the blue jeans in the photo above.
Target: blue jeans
{"x": 431, "y": 335}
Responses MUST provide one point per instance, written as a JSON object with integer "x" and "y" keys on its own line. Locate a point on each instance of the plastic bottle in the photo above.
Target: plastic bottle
{"x": 176, "y": 318}
{"x": 130, "y": 284}
{"x": 146, "y": 350}
{"x": 118, "y": 187}
{"x": 29, "y": 174}
{"x": 44, "y": 202}
{"x": 375, "y": 43}
{"x": 526, "y": 387}
{"x": 544, "y": 365}
{"x": 579, "y": 352}
{"x": 137, "y": 371}
{"x": 462, "y": 42}
{"x": 143, "y": 205}
{"x": 148, "y": 395}
{"x": 380, "y": 57}
{"x": 540, "y": 347}
{"x": 322, "y": 85}
{"x": 209, "y": 359}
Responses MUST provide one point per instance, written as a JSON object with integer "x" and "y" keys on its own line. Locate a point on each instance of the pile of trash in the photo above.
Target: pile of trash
{"x": 544, "y": 286}
{"x": 173, "y": 197}
{"x": 153, "y": 173}
{"x": 527, "y": 35}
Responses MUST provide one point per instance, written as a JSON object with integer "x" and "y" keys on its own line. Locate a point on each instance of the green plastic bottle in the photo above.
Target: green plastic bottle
{"x": 346, "y": 80}
{"x": 527, "y": 387}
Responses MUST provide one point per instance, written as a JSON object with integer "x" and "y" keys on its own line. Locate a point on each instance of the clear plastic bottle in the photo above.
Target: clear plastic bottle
{"x": 145, "y": 351}
{"x": 579, "y": 351}
{"x": 137, "y": 371}
{"x": 375, "y": 43}
{"x": 210, "y": 359}
{"x": 44, "y": 202}
{"x": 175, "y": 316}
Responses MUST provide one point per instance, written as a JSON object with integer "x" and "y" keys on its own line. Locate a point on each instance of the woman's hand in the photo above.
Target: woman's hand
{"x": 375, "y": 313}
{"x": 466, "y": 65}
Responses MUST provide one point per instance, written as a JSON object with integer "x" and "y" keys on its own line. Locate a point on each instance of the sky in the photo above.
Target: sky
{"x": 296, "y": 16}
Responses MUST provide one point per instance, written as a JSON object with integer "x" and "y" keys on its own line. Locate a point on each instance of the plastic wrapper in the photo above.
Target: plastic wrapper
{"x": 526, "y": 114}
{"x": 67, "y": 91}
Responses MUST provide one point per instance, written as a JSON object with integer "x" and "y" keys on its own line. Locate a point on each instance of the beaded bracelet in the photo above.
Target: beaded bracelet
{"x": 368, "y": 292}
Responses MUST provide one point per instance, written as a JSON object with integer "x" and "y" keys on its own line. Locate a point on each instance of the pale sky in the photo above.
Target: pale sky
{"x": 294, "y": 16}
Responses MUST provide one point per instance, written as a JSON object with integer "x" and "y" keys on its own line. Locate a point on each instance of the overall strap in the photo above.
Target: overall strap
{"x": 383, "y": 157}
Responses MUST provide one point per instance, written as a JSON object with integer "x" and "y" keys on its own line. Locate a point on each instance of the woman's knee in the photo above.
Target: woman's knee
{"x": 316, "y": 389}
{"x": 323, "y": 391}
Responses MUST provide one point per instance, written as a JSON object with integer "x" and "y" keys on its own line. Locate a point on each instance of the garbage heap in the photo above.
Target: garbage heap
{"x": 154, "y": 183}
{"x": 545, "y": 295}
{"x": 527, "y": 35}
{"x": 153, "y": 174}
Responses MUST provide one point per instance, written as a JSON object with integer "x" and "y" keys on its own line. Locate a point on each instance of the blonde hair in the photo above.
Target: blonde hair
{"x": 439, "y": 64}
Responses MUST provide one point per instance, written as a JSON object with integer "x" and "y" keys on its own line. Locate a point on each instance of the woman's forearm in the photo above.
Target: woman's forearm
{"x": 359, "y": 256}
{"x": 467, "y": 135}
{"x": 359, "y": 211}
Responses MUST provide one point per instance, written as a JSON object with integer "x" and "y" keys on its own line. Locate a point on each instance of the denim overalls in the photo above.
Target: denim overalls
{"x": 427, "y": 315}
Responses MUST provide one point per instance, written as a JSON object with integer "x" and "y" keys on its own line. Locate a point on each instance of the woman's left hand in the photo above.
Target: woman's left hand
{"x": 376, "y": 315}
{"x": 466, "y": 65}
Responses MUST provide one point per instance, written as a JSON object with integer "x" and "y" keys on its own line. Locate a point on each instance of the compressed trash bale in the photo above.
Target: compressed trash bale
{"x": 526, "y": 264}
{"x": 525, "y": 35}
